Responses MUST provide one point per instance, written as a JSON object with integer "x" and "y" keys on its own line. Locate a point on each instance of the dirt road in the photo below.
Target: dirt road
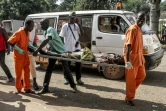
{"x": 98, "y": 93}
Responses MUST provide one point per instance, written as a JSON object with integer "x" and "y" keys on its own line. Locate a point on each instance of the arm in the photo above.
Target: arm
{"x": 129, "y": 41}
{"x": 62, "y": 38}
{"x": 44, "y": 43}
{"x": 6, "y": 39}
{"x": 31, "y": 46}
{"x": 128, "y": 65}
{"x": 62, "y": 33}
{"x": 18, "y": 49}
{"x": 128, "y": 53}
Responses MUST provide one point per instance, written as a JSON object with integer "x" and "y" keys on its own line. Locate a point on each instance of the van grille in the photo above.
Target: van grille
{"x": 156, "y": 49}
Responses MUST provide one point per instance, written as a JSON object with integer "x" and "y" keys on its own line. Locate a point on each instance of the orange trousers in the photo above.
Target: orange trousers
{"x": 22, "y": 70}
{"x": 134, "y": 77}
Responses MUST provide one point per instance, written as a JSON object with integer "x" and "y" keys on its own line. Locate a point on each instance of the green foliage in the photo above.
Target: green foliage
{"x": 163, "y": 10}
{"x": 19, "y": 9}
{"x": 136, "y": 6}
{"x": 67, "y": 5}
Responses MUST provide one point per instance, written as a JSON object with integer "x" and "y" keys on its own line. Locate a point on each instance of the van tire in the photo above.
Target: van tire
{"x": 113, "y": 72}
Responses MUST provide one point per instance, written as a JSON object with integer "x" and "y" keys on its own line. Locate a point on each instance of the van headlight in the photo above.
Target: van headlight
{"x": 145, "y": 50}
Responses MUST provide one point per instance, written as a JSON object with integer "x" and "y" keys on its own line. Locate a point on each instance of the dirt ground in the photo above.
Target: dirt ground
{"x": 98, "y": 93}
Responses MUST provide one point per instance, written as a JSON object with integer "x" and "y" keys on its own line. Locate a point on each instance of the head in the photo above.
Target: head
{"x": 102, "y": 20}
{"x": 113, "y": 20}
{"x": 72, "y": 17}
{"x": 140, "y": 19}
{"x": 44, "y": 23}
{"x": 29, "y": 24}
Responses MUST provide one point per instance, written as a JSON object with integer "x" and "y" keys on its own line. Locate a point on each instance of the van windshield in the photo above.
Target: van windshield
{"x": 146, "y": 29}
{"x": 132, "y": 19}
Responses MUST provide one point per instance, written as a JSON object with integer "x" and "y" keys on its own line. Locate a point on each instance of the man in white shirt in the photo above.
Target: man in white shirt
{"x": 70, "y": 31}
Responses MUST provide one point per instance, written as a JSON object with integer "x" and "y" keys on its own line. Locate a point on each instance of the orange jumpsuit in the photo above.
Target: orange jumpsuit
{"x": 135, "y": 76}
{"x": 21, "y": 61}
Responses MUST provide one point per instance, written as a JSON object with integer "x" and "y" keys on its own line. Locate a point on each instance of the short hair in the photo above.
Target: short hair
{"x": 141, "y": 14}
{"x": 46, "y": 20}
{"x": 72, "y": 14}
{"x": 29, "y": 21}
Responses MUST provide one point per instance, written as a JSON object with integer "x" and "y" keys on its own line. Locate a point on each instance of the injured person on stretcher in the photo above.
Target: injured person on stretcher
{"x": 87, "y": 55}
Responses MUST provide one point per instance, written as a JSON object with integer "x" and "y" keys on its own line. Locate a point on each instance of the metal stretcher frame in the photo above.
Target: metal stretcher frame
{"x": 75, "y": 60}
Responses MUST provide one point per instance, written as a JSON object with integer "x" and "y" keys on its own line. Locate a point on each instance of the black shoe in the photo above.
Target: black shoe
{"x": 35, "y": 86}
{"x": 10, "y": 80}
{"x": 130, "y": 103}
{"x": 80, "y": 82}
{"x": 75, "y": 90}
{"x": 43, "y": 91}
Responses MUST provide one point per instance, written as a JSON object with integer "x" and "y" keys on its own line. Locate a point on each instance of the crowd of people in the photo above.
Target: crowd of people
{"x": 23, "y": 39}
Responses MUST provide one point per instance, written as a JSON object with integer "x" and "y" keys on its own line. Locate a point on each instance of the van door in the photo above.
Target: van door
{"x": 108, "y": 33}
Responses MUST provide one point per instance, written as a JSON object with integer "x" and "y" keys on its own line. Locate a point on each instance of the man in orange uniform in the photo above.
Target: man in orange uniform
{"x": 133, "y": 48}
{"x": 20, "y": 41}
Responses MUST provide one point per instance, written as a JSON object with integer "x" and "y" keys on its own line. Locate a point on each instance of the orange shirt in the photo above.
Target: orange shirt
{"x": 21, "y": 39}
{"x": 134, "y": 37}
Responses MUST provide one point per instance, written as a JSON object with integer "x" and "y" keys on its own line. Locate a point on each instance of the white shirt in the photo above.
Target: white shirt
{"x": 32, "y": 36}
{"x": 69, "y": 40}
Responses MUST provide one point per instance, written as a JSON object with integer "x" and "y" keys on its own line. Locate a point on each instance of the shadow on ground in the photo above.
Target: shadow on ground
{"x": 11, "y": 97}
{"x": 66, "y": 98}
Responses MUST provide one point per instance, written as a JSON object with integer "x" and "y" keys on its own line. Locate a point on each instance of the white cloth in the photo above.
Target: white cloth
{"x": 69, "y": 40}
{"x": 32, "y": 66}
{"x": 32, "y": 36}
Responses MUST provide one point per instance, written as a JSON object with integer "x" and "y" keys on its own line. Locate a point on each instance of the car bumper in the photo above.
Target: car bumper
{"x": 154, "y": 60}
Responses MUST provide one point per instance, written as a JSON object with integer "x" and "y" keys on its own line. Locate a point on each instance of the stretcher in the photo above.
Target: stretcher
{"x": 58, "y": 57}
{"x": 110, "y": 71}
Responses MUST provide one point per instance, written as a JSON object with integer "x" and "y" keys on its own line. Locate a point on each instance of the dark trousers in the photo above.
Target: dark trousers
{"x": 3, "y": 65}
{"x": 66, "y": 70}
{"x": 77, "y": 70}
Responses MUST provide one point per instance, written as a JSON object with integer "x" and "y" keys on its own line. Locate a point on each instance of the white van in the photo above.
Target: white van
{"x": 104, "y": 32}
{"x": 12, "y": 25}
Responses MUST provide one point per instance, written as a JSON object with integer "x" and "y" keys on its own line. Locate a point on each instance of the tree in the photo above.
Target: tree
{"x": 19, "y": 9}
{"x": 154, "y": 14}
{"x": 67, "y": 5}
{"x": 163, "y": 10}
{"x": 136, "y": 6}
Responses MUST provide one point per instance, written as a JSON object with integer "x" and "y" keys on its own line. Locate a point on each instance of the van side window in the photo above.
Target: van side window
{"x": 62, "y": 20}
{"x": 85, "y": 24}
{"x": 39, "y": 31}
{"x": 112, "y": 24}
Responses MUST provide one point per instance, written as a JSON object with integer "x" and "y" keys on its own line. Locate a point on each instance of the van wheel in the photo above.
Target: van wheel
{"x": 43, "y": 66}
{"x": 113, "y": 72}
